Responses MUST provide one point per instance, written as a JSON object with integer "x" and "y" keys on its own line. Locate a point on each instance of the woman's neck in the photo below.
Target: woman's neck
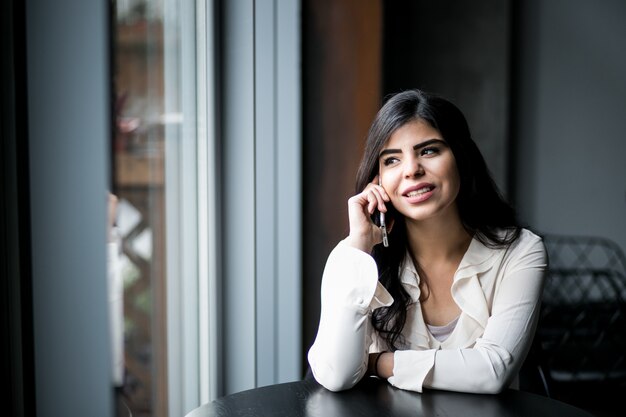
{"x": 441, "y": 239}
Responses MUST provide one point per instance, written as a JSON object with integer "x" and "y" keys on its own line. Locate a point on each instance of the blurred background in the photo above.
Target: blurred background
{"x": 230, "y": 133}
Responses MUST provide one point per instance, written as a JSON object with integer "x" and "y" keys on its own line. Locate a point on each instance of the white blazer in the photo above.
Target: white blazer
{"x": 497, "y": 290}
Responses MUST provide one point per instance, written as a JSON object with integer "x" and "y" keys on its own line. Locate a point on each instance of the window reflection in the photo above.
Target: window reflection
{"x": 138, "y": 167}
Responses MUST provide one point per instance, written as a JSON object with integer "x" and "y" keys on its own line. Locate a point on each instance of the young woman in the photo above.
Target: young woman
{"x": 452, "y": 301}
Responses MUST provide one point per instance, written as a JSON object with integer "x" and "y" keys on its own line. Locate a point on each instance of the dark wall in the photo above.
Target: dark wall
{"x": 571, "y": 120}
{"x": 16, "y": 338}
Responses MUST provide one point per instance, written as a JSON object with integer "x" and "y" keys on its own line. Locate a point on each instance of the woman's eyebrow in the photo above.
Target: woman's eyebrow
{"x": 415, "y": 147}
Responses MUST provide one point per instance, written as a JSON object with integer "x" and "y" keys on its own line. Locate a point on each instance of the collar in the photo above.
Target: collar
{"x": 466, "y": 289}
{"x": 477, "y": 259}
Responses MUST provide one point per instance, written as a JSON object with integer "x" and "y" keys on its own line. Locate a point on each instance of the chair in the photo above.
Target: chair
{"x": 582, "y": 326}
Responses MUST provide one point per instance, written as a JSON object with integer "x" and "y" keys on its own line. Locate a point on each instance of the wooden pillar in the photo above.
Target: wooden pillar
{"x": 341, "y": 94}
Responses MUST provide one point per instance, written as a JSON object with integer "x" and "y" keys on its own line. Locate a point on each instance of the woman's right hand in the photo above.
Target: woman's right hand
{"x": 364, "y": 234}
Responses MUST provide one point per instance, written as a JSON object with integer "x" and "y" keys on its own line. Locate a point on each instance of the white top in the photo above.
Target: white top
{"x": 441, "y": 333}
{"x": 497, "y": 290}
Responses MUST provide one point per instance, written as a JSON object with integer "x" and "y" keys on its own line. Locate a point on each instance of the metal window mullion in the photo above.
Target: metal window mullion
{"x": 189, "y": 209}
{"x": 208, "y": 207}
{"x": 173, "y": 238}
{"x": 238, "y": 196}
{"x": 289, "y": 197}
{"x": 181, "y": 214}
{"x": 265, "y": 184}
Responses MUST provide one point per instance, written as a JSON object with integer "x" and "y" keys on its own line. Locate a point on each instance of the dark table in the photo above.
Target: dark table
{"x": 374, "y": 397}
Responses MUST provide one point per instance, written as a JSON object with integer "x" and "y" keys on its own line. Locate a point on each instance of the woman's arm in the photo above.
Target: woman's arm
{"x": 350, "y": 291}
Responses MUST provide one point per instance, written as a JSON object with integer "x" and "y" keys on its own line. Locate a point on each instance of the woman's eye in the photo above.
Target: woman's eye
{"x": 429, "y": 151}
{"x": 389, "y": 161}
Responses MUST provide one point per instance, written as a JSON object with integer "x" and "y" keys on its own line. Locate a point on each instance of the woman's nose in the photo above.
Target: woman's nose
{"x": 413, "y": 168}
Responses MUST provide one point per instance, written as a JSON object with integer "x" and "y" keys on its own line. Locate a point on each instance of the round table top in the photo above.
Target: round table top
{"x": 375, "y": 397}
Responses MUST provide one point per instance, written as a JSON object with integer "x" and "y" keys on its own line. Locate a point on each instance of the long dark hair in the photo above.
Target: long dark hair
{"x": 483, "y": 211}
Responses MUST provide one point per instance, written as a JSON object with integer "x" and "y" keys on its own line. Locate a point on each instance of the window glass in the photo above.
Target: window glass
{"x": 139, "y": 185}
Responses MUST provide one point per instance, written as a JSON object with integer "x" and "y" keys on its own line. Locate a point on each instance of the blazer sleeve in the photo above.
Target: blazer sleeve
{"x": 350, "y": 292}
{"x": 492, "y": 363}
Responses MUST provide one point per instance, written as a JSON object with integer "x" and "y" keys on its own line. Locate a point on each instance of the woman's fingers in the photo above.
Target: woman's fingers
{"x": 372, "y": 197}
{"x": 376, "y": 198}
{"x": 372, "y": 202}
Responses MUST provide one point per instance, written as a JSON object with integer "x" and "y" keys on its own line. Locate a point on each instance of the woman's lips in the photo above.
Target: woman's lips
{"x": 419, "y": 193}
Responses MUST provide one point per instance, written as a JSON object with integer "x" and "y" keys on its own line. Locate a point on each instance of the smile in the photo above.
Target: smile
{"x": 417, "y": 193}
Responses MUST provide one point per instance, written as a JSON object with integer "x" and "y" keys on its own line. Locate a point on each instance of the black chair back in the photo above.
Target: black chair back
{"x": 582, "y": 327}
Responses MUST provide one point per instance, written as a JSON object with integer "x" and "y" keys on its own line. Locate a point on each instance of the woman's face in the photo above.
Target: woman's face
{"x": 418, "y": 170}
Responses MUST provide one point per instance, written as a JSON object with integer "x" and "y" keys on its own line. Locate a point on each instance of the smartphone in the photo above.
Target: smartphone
{"x": 383, "y": 226}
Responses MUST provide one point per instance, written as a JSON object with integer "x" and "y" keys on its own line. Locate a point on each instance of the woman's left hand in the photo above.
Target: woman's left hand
{"x": 364, "y": 234}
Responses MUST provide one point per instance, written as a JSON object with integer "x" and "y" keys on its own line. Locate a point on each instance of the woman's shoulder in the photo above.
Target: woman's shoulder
{"x": 527, "y": 235}
{"x": 508, "y": 239}
{"x": 528, "y": 238}
{"x": 528, "y": 245}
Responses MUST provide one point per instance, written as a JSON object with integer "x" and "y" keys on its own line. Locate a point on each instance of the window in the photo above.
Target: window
{"x": 163, "y": 178}
{"x": 209, "y": 220}
{"x": 180, "y": 238}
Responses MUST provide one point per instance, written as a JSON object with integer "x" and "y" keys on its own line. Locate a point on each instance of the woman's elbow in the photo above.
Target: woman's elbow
{"x": 334, "y": 383}
{"x": 335, "y": 379}
{"x": 491, "y": 384}
{"x": 495, "y": 387}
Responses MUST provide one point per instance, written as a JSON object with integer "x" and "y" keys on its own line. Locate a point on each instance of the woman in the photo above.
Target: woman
{"x": 452, "y": 303}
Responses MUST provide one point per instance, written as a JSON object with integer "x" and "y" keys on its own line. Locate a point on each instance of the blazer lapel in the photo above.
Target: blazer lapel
{"x": 466, "y": 288}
